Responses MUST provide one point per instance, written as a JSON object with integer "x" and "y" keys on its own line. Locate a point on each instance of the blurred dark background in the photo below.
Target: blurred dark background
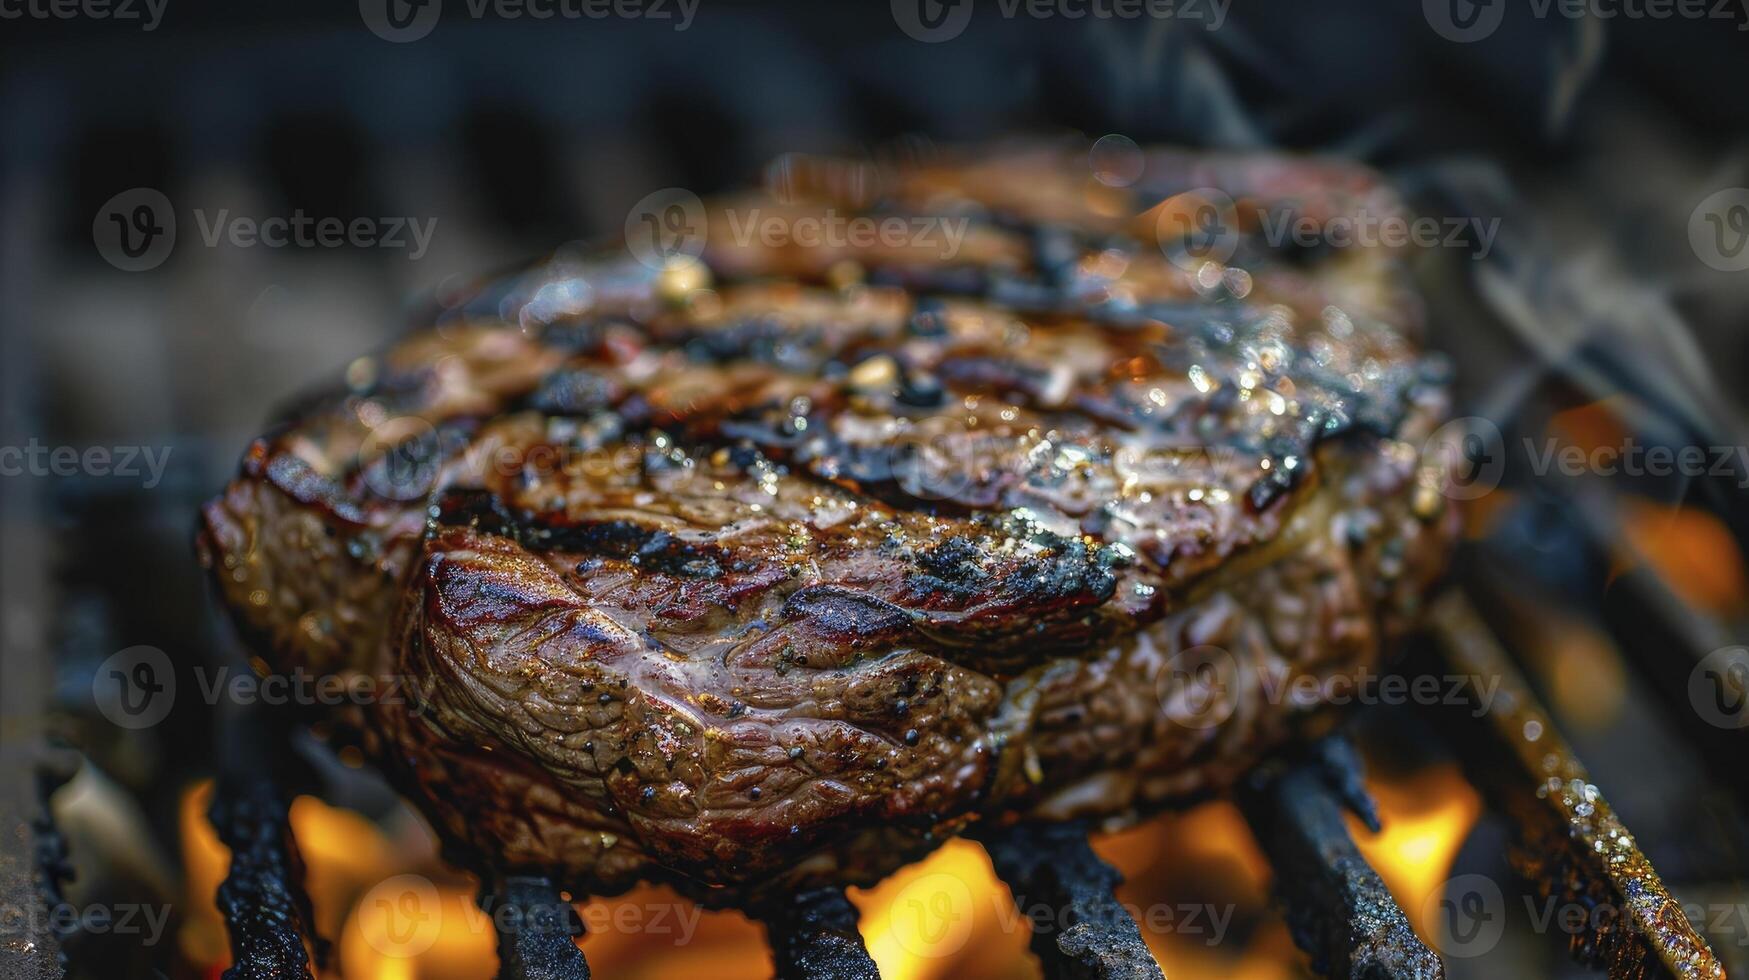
{"x": 1591, "y": 140}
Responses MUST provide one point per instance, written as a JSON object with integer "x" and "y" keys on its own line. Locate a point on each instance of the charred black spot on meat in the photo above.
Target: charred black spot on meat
{"x": 984, "y": 373}
{"x": 575, "y": 336}
{"x": 1055, "y": 251}
{"x": 955, "y": 560}
{"x": 650, "y": 549}
{"x": 771, "y": 428}
{"x": 477, "y": 508}
{"x": 763, "y": 339}
{"x": 928, "y": 318}
{"x": 575, "y": 391}
{"x": 920, "y": 389}
{"x": 839, "y": 611}
{"x": 1072, "y": 571}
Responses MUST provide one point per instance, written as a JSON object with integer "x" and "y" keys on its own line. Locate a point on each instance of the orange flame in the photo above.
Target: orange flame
{"x": 1691, "y": 550}
{"x": 1427, "y": 816}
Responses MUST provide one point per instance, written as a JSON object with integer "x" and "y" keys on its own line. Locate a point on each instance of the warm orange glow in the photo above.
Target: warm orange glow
{"x": 1201, "y": 887}
{"x": 344, "y": 854}
{"x": 937, "y": 916}
{"x": 1482, "y": 515}
{"x": 650, "y": 933}
{"x": 1691, "y": 551}
{"x": 1578, "y": 664}
{"x": 1427, "y": 817}
{"x": 1197, "y": 882}
{"x": 408, "y": 927}
{"x": 1592, "y": 426}
{"x": 204, "y": 862}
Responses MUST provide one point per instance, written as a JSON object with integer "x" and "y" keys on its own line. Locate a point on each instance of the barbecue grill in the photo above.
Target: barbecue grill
{"x": 1625, "y": 574}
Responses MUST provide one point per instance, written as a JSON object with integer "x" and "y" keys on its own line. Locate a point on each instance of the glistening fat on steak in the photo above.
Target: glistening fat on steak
{"x": 781, "y": 565}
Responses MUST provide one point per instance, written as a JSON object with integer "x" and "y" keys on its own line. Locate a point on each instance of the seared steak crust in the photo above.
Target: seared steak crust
{"x": 781, "y": 564}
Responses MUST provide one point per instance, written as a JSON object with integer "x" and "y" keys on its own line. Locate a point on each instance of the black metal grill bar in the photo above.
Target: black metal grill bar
{"x": 1577, "y": 848}
{"x": 262, "y": 896}
{"x": 1337, "y": 907}
{"x": 536, "y": 931}
{"x": 266, "y": 910}
{"x": 1053, "y": 864}
{"x": 813, "y": 936}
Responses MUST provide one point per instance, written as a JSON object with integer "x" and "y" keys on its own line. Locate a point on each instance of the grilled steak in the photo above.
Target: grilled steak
{"x": 780, "y": 564}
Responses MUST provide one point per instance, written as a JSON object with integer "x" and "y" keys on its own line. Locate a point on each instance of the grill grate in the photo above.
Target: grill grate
{"x": 540, "y": 947}
{"x": 1576, "y": 847}
{"x": 1337, "y": 907}
{"x": 814, "y": 935}
{"x": 266, "y": 911}
{"x": 1053, "y": 863}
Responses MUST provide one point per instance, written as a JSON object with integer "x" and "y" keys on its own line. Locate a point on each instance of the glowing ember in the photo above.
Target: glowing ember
{"x": 205, "y": 860}
{"x": 939, "y": 915}
{"x": 1427, "y": 816}
{"x": 1692, "y": 551}
{"x": 1201, "y": 879}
